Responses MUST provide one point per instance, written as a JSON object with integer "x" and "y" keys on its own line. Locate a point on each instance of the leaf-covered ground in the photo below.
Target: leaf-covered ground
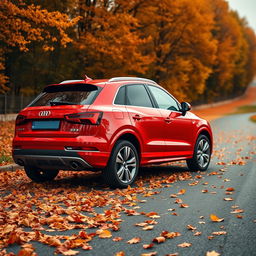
{"x": 6, "y": 135}
{"x": 76, "y": 213}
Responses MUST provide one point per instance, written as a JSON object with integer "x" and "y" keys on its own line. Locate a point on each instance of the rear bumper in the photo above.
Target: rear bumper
{"x": 51, "y": 159}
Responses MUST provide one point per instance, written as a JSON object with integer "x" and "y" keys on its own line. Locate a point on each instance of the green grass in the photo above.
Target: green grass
{"x": 245, "y": 109}
{"x": 253, "y": 118}
{"x": 5, "y": 159}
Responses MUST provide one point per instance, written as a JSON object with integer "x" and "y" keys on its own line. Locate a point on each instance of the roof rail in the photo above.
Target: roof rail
{"x": 70, "y": 81}
{"x": 116, "y": 79}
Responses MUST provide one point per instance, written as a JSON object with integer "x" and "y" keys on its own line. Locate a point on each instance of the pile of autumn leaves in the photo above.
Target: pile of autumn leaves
{"x": 46, "y": 208}
{"x": 6, "y": 135}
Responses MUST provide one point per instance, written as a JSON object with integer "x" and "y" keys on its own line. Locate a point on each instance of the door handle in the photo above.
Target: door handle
{"x": 168, "y": 120}
{"x": 136, "y": 117}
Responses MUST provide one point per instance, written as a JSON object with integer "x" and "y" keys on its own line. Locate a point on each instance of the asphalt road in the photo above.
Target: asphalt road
{"x": 234, "y": 139}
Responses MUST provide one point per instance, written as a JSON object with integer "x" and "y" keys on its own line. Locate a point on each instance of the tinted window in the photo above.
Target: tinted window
{"x": 67, "y": 95}
{"x": 163, "y": 99}
{"x": 120, "y": 97}
{"x": 138, "y": 96}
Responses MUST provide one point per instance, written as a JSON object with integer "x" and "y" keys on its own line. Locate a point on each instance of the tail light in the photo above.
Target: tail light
{"x": 20, "y": 119}
{"x": 85, "y": 118}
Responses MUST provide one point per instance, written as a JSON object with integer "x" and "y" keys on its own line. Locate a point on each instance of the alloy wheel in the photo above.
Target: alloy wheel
{"x": 203, "y": 153}
{"x": 126, "y": 164}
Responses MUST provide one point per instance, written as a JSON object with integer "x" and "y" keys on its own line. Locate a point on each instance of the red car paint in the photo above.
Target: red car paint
{"x": 91, "y": 131}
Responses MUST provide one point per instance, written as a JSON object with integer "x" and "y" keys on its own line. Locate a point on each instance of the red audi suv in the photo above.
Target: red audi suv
{"x": 114, "y": 125}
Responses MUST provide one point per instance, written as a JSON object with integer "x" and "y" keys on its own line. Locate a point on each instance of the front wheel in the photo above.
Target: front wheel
{"x": 39, "y": 175}
{"x": 202, "y": 154}
{"x": 123, "y": 165}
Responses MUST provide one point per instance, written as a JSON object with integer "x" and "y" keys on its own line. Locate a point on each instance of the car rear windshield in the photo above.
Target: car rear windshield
{"x": 75, "y": 94}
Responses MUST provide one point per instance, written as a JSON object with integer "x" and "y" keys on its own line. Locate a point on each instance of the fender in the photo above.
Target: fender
{"x": 122, "y": 131}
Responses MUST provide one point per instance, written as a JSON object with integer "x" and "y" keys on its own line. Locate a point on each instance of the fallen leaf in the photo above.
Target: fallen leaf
{"x": 230, "y": 189}
{"x": 228, "y": 199}
{"x": 150, "y": 227}
{"x": 148, "y": 246}
{"x": 134, "y": 240}
{"x": 87, "y": 247}
{"x": 184, "y": 205}
{"x": 178, "y": 201}
{"x": 63, "y": 250}
{"x": 219, "y": 233}
{"x": 149, "y": 254}
{"x": 215, "y": 218}
{"x": 190, "y": 227}
{"x": 237, "y": 211}
{"x": 181, "y": 192}
{"x": 183, "y": 245}
{"x": 170, "y": 235}
{"x": 121, "y": 253}
{"x": 104, "y": 233}
{"x": 117, "y": 239}
{"x": 159, "y": 239}
{"x": 212, "y": 253}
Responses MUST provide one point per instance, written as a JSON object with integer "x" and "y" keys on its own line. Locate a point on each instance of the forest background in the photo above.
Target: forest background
{"x": 201, "y": 50}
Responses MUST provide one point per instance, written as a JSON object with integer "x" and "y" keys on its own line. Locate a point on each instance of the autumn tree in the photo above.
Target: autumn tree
{"x": 22, "y": 24}
{"x": 108, "y": 40}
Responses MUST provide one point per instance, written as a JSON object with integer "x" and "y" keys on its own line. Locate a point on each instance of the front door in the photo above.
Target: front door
{"x": 177, "y": 128}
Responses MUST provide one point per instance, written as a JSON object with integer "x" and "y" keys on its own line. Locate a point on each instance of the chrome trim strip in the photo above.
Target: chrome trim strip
{"x": 117, "y": 79}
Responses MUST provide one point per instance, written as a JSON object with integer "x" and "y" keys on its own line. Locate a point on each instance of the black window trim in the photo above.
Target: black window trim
{"x": 152, "y": 100}
{"x": 157, "y": 106}
{"x": 99, "y": 89}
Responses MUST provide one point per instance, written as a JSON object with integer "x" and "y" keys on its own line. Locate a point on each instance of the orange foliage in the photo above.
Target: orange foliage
{"x": 22, "y": 24}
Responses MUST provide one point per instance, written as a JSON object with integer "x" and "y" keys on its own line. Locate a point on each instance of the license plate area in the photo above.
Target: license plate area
{"x": 46, "y": 125}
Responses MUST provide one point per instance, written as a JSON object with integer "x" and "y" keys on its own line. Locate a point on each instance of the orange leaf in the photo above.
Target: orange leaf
{"x": 215, "y": 218}
{"x": 237, "y": 211}
{"x": 117, "y": 239}
{"x": 183, "y": 245}
{"x": 149, "y": 254}
{"x": 148, "y": 246}
{"x": 148, "y": 227}
{"x": 159, "y": 239}
{"x": 170, "y": 235}
{"x": 219, "y": 233}
{"x": 182, "y": 192}
{"x": 184, "y": 205}
{"x": 134, "y": 240}
{"x": 228, "y": 199}
{"x": 121, "y": 253}
{"x": 104, "y": 233}
{"x": 190, "y": 227}
{"x": 212, "y": 253}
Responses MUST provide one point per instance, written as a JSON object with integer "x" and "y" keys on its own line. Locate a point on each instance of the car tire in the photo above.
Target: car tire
{"x": 39, "y": 175}
{"x": 123, "y": 165}
{"x": 202, "y": 154}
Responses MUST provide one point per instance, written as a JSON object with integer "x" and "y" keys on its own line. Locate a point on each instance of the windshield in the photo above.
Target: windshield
{"x": 67, "y": 95}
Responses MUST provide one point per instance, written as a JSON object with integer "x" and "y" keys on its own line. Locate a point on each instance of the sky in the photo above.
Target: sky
{"x": 245, "y": 8}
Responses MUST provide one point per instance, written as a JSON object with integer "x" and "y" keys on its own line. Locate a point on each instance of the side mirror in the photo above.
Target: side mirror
{"x": 185, "y": 107}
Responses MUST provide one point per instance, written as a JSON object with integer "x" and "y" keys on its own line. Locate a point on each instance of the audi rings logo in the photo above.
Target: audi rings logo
{"x": 44, "y": 113}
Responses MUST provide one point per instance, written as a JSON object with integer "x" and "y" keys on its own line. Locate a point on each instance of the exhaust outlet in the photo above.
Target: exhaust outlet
{"x": 75, "y": 165}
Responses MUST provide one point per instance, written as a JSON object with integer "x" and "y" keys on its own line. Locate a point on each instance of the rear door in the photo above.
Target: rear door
{"x": 146, "y": 119}
{"x": 177, "y": 128}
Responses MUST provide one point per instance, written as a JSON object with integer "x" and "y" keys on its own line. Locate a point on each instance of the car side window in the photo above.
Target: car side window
{"x": 137, "y": 95}
{"x": 120, "y": 97}
{"x": 163, "y": 99}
